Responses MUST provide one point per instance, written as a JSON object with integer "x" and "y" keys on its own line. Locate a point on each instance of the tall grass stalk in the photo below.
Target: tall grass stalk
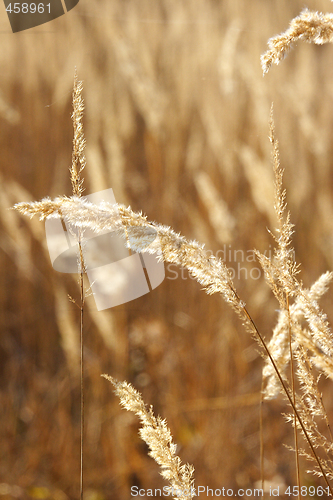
{"x": 78, "y": 164}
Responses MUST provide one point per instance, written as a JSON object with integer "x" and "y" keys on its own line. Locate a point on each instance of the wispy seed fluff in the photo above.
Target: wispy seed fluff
{"x": 156, "y": 434}
{"x": 312, "y": 27}
{"x": 210, "y": 272}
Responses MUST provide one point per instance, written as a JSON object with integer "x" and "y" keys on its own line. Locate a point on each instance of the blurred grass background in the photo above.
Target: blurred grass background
{"x": 176, "y": 123}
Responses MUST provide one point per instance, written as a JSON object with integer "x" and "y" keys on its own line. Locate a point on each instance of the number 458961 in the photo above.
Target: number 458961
{"x": 27, "y": 8}
{"x": 307, "y": 491}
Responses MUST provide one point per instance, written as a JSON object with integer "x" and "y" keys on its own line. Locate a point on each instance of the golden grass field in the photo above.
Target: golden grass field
{"x": 177, "y": 124}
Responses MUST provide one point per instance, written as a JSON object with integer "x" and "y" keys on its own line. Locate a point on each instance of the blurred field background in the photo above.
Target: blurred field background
{"x": 176, "y": 122}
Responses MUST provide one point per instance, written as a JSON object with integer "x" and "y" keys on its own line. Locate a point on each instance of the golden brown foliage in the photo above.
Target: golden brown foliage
{"x": 174, "y": 96}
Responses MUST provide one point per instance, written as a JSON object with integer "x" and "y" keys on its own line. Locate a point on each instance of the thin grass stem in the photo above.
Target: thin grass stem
{"x": 262, "y": 472}
{"x": 82, "y": 368}
{"x": 292, "y": 373}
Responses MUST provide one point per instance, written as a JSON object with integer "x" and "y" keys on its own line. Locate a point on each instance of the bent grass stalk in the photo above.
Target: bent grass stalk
{"x": 309, "y": 26}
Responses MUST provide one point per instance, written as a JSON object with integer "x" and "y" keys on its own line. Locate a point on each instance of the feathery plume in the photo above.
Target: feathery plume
{"x": 209, "y": 271}
{"x": 280, "y": 273}
{"x": 156, "y": 434}
{"x": 281, "y": 270}
{"x": 79, "y": 143}
{"x": 278, "y": 345}
{"x": 309, "y": 26}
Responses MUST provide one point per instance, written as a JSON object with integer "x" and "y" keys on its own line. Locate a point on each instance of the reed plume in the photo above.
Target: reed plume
{"x": 307, "y": 346}
{"x": 156, "y": 434}
{"x": 309, "y": 26}
{"x": 281, "y": 275}
{"x": 209, "y": 271}
{"x": 79, "y": 143}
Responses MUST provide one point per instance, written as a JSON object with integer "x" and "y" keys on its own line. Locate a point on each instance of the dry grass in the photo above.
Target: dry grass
{"x": 312, "y": 27}
{"x": 281, "y": 272}
{"x": 175, "y": 102}
{"x": 156, "y": 434}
